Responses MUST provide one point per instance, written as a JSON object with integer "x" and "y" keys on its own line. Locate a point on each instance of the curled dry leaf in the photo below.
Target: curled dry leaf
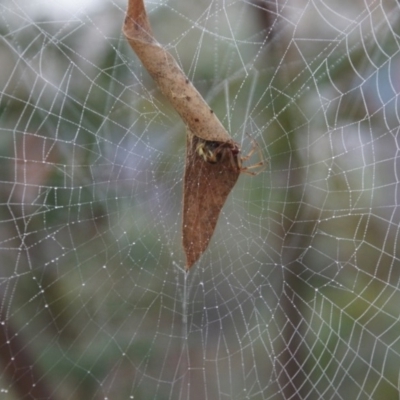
{"x": 212, "y": 158}
{"x": 171, "y": 80}
{"x": 206, "y": 188}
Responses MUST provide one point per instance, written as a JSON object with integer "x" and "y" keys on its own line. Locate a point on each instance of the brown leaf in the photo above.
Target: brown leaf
{"x": 171, "y": 80}
{"x": 206, "y": 188}
{"x": 210, "y": 176}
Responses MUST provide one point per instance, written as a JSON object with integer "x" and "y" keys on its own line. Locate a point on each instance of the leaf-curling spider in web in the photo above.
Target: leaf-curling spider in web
{"x": 215, "y": 152}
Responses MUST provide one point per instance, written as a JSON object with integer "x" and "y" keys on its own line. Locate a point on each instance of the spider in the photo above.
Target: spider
{"x": 214, "y": 152}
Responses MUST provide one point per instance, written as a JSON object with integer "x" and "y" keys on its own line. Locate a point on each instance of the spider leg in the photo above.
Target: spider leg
{"x": 245, "y": 170}
{"x": 236, "y": 161}
{"x": 255, "y": 147}
{"x": 249, "y": 154}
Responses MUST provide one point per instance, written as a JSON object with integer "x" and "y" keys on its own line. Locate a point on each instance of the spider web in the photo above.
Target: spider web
{"x": 297, "y": 295}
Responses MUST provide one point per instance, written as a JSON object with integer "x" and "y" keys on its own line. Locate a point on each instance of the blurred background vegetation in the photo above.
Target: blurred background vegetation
{"x": 297, "y": 296}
